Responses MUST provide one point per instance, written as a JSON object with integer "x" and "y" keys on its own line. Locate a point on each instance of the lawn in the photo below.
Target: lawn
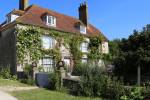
{"x": 38, "y": 94}
{"x": 7, "y": 82}
{"x": 43, "y": 94}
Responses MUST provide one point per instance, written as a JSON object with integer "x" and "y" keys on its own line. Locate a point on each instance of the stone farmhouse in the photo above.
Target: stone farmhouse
{"x": 30, "y": 17}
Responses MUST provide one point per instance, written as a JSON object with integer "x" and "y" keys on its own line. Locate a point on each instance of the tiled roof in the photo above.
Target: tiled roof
{"x": 17, "y": 12}
{"x": 33, "y": 16}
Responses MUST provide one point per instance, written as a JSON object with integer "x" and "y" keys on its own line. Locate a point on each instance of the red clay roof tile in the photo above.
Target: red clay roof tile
{"x": 33, "y": 16}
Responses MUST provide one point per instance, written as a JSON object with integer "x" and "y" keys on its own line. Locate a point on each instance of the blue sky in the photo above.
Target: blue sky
{"x": 115, "y": 18}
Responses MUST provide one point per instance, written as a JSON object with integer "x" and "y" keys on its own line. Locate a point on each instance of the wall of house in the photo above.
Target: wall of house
{"x": 105, "y": 47}
{"x": 8, "y": 49}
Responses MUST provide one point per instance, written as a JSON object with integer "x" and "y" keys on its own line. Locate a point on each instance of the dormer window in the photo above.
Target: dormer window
{"x": 82, "y": 29}
{"x": 51, "y": 21}
{"x": 11, "y": 17}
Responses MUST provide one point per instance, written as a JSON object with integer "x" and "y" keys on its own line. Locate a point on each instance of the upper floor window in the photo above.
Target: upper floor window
{"x": 105, "y": 47}
{"x": 47, "y": 42}
{"x": 83, "y": 29}
{"x": 11, "y": 17}
{"x": 84, "y": 47}
{"x": 51, "y": 21}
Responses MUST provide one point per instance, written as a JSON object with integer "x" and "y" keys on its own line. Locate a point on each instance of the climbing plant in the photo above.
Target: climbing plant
{"x": 95, "y": 48}
{"x": 29, "y": 44}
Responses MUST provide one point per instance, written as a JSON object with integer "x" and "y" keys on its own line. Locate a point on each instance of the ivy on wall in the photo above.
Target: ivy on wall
{"x": 95, "y": 48}
{"x": 29, "y": 44}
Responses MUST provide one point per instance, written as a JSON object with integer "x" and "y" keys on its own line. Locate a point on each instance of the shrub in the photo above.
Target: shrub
{"x": 5, "y": 73}
{"x": 79, "y": 69}
{"x": 96, "y": 82}
{"x": 55, "y": 81}
{"x": 135, "y": 94}
{"x": 146, "y": 91}
{"x": 28, "y": 79}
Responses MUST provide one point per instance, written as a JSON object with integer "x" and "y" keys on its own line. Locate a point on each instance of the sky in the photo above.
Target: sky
{"x": 114, "y": 18}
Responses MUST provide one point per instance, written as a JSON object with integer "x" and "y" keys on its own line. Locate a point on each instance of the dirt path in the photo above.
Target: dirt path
{"x": 12, "y": 88}
{"x": 6, "y": 96}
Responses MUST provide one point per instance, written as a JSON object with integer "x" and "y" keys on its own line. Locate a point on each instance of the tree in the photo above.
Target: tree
{"x": 134, "y": 54}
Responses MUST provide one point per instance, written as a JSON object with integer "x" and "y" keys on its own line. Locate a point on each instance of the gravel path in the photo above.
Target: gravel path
{"x": 6, "y": 96}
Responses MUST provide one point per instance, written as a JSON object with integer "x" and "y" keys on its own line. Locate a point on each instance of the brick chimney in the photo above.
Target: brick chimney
{"x": 23, "y": 4}
{"x": 83, "y": 13}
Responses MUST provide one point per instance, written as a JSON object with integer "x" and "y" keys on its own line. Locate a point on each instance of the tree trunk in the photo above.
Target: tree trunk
{"x": 138, "y": 75}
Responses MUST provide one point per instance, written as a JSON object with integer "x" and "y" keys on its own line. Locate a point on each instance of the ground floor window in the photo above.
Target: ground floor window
{"x": 84, "y": 60}
{"x": 47, "y": 63}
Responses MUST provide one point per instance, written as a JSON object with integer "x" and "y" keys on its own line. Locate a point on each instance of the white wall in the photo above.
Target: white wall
{"x": 105, "y": 47}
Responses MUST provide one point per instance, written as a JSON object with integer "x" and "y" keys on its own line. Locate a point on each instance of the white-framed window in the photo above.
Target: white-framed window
{"x": 105, "y": 47}
{"x": 51, "y": 21}
{"x": 82, "y": 29}
{"x": 11, "y": 17}
{"x": 84, "y": 60}
{"x": 47, "y": 42}
{"x": 48, "y": 63}
{"x": 84, "y": 47}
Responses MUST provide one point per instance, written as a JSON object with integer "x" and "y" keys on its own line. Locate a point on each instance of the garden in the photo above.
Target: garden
{"x": 128, "y": 80}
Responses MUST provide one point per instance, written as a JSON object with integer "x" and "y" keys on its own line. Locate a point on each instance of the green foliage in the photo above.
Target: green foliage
{"x": 28, "y": 44}
{"x": 134, "y": 52}
{"x": 74, "y": 48}
{"x": 55, "y": 81}
{"x": 5, "y": 73}
{"x": 135, "y": 94}
{"x": 114, "y": 49}
{"x": 94, "y": 47}
{"x": 79, "y": 69}
{"x": 29, "y": 75}
{"x": 95, "y": 82}
{"x": 28, "y": 70}
{"x": 29, "y": 81}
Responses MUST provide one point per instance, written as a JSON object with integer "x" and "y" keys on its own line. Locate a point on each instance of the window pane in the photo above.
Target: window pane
{"x": 47, "y": 64}
{"x": 84, "y": 60}
{"x": 83, "y": 29}
{"x": 84, "y": 47}
{"x": 51, "y": 21}
{"x": 47, "y": 42}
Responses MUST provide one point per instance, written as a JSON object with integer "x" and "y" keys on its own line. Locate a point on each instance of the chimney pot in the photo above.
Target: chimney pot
{"x": 23, "y": 4}
{"x": 83, "y": 13}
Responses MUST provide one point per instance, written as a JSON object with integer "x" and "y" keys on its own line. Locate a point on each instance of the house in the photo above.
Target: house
{"x": 52, "y": 27}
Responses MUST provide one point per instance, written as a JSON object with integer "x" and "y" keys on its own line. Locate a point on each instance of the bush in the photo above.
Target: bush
{"x": 55, "y": 81}
{"x": 5, "y": 73}
{"x": 146, "y": 91}
{"x": 28, "y": 79}
{"x": 96, "y": 82}
{"x": 79, "y": 69}
{"x": 135, "y": 94}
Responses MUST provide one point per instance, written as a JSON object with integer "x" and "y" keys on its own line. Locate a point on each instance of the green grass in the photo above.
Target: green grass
{"x": 7, "y": 82}
{"x": 39, "y": 94}
{"x": 42, "y": 94}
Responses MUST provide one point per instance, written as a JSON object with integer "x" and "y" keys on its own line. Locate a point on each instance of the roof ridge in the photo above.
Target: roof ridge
{"x": 52, "y": 11}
